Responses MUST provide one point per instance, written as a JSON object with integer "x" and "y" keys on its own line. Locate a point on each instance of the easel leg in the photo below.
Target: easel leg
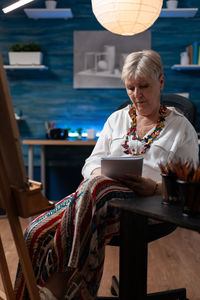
{"x": 17, "y": 234}
{"x": 2, "y": 296}
{"x": 9, "y": 293}
{"x": 23, "y": 256}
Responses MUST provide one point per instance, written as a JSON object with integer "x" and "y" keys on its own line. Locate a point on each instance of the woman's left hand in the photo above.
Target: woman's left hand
{"x": 143, "y": 186}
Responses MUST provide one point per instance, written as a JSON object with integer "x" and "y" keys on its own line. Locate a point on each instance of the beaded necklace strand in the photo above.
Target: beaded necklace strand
{"x": 149, "y": 139}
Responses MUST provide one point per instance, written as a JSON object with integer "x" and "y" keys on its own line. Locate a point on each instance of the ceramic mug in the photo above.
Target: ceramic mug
{"x": 50, "y": 4}
{"x": 184, "y": 58}
{"x": 90, "y": 134}
{"x": 172, "y": 4}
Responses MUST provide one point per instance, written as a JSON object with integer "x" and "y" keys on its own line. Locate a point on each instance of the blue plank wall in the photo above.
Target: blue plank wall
{"x": 49, "y": 95}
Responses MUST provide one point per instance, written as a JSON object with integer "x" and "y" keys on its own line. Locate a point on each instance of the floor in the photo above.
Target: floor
{"x": 173, "y": 262}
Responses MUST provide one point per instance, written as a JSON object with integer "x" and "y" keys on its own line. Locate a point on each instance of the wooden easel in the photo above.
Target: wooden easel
{"x": 19, "y": 196}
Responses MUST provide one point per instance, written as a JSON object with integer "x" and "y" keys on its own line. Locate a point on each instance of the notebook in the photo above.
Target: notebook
{"x": 115, "y": 167}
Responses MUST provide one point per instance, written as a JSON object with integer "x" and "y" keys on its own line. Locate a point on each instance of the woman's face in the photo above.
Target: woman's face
{"x": 145, "y": 93}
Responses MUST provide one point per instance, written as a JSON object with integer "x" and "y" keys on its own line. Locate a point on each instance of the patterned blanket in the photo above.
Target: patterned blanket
{"x": 73, "y": 236}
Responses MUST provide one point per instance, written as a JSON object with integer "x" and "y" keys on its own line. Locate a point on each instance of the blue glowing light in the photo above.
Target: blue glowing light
{"x": 73, "y": 127}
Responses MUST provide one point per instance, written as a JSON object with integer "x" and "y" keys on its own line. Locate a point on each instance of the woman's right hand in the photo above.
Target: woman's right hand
{"x": 143, "y": 186}
{"x": 96, "y": 171}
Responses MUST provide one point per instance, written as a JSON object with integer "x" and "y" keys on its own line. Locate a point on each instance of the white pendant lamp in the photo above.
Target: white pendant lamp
{"x": 126, "y": 17}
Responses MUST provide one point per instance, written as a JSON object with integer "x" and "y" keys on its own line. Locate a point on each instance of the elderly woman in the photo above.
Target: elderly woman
{"x": 67, "y": 244}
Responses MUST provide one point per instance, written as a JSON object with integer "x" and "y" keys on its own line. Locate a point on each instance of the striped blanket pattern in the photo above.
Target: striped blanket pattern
{"x": 73, "y": 237}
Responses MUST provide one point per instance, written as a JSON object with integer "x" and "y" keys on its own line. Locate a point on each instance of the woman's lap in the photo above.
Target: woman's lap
{"x": 74, "y": 235}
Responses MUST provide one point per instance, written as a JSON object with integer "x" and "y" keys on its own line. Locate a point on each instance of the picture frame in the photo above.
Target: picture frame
{"x": 99, "y": 57}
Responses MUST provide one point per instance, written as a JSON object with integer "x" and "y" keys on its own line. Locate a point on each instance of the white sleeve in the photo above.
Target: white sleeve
{"x": 188, "y": 149}
{"x": 101, "y": 149}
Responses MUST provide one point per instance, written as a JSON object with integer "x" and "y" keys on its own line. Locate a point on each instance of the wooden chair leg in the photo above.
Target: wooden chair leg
{"x": 9, "y": 293}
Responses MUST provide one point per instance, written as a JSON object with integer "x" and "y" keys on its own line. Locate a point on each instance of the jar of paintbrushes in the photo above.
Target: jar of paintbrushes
{"x": 169, "y": 184}
{"x": 181, "y": 185}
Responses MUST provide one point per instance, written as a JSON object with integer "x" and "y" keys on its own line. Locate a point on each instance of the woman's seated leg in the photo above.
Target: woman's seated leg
{"x": 73, "y": 236}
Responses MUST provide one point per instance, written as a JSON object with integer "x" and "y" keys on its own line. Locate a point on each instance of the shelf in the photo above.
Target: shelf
{"x": 43, "y": 13}
{"x": 178, "y": 13}
{"x": 25, "y": 67}
{"x": 66, "y": 13}
{"x": 185, "y": 67}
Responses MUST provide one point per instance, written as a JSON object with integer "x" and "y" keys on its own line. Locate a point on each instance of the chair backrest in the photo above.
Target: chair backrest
{"x": 182, "y": 104}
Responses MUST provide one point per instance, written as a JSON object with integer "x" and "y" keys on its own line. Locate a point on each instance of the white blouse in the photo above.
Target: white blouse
{"x": 177, "y": 140}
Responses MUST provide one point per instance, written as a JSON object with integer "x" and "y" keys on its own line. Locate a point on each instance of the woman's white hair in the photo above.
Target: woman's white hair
{"x": 142, "y": 64}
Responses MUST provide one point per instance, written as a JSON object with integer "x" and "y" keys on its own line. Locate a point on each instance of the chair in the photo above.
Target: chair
{"x": 182, "y": 104}
{"x": 159, "y": 230}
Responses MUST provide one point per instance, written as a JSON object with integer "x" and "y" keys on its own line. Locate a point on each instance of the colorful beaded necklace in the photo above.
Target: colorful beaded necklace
{"x": 149, "y": 139}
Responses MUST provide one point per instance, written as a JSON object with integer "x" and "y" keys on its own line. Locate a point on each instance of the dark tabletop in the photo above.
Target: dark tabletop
{"x": 153, "y": 207}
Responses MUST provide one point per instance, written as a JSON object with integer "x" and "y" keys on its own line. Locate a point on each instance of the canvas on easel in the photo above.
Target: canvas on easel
{"x": 18, "y": 195}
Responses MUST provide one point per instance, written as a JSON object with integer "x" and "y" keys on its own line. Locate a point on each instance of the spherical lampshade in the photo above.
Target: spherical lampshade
{"x": 126, "y": 17}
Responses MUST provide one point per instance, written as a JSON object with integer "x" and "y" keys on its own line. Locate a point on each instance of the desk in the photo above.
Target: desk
{"x": 43, "y": 144}
{"x": 133, "y": 226}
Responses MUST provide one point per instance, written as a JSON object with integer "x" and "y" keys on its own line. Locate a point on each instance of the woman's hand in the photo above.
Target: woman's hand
{"x": 143, "y": 186}
{"x": 96, "y": 171}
